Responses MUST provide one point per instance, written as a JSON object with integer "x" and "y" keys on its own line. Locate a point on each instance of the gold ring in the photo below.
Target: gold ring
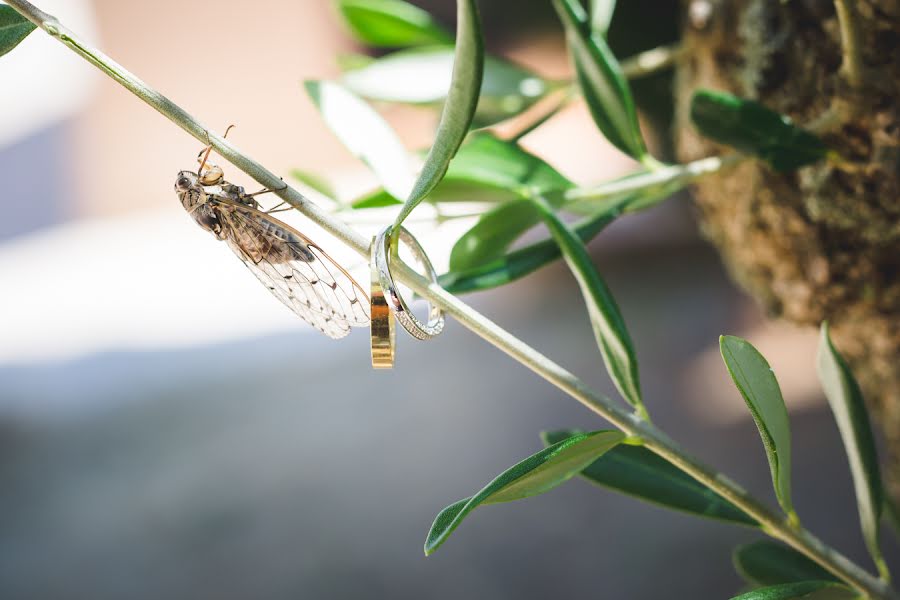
{"x": 384, "y": 338}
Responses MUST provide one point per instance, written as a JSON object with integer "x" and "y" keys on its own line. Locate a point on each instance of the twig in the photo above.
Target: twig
{"x": 852, "y": 66}
{"x": 652, "y": 61}
{"x": 663, "y": 176}
{"x": 653, "y": 438}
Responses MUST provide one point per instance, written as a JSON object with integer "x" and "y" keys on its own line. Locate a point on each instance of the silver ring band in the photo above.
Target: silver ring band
{"x": 405, "y": 317}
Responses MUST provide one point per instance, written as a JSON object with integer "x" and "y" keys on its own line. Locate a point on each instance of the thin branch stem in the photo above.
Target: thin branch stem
{"x": 664, "y": 176}
{"x": 652, "y": 61}
{"x": 653, "y": 438}
{"x": 852, "y": 66}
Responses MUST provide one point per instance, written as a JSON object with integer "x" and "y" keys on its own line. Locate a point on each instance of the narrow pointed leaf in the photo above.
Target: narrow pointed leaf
{"x": 638, "y": 472}
{"x": 603, "y": 85}
{"x": 487, "y": 169}
{"x": 459, "y": 109}
{"x": 846, "y": 401}
{"x": 519, "y": 263}
{"x": 752, "y": 128}
{"x": 391, "y": 23}
{"x": 421, "y": 76}
{"x": 601, "y": 15}
{"x": 365, "y": 133}
{"x": 765, "y": 562}
{"x": 314, "y": 182}
{"x": 13, "y": 28}
{"x": 807, "y": 590}
{"x": 492, "y": 235}
{"x": 535, "y": 475}
{"x": 757, "y": 384}
{"x": 606, "y": 319}
{"x": 506, "y": 165}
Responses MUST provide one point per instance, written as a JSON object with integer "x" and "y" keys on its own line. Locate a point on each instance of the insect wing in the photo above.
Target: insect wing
{"x": 295, "y": 270}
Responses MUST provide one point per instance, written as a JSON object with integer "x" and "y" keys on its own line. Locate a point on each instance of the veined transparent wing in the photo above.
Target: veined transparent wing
{"x": 295, "y": 270}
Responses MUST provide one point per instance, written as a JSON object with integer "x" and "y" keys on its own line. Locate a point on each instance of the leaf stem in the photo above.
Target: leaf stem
{"x": 852, "y": 66}
{"x": 662, "y": 176}
{"x": 651, "y": 61}
{"x": 654, "y": 439}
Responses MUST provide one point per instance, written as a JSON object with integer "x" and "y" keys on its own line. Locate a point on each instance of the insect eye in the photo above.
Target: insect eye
{"x": 183, "y": 183}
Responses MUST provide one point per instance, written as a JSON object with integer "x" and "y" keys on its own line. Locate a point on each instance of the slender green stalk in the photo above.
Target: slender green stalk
{"x": 653, "y": 438}
{"x": 652, "y": 61}
{"x": 663, "y": 176}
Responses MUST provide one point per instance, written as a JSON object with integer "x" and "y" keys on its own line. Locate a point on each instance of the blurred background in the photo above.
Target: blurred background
{"x": 168, "y": 430}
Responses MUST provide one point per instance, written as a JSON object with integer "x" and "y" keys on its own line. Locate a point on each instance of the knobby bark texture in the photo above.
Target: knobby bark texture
{"x": 824, "y": 242}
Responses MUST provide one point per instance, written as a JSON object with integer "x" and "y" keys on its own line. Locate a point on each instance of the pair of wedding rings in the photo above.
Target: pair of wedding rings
{"x": 387, "y": 304}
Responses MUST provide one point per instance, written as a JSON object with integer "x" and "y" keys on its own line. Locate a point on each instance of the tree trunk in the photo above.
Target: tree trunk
{"x": 822, "y": 243}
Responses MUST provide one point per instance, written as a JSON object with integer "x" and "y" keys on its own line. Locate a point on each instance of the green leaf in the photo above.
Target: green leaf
{"x": 13, "y": 28}
{"x": 421, "y": 76}
{"x": 638, "y": 472}
{"x": 459, "y": 109}
{"x": 601, "y": 15}
{"x": 765, "y": 562}
{"x": 609, "y": 327}
{"x": 519, "y": 263}
{"x": 494, "y": 232}
{"x": 505, "y": 165}
{"x": 365, "y": 133}
{"x": 535, "y": 475}
{"x": 755, "y": 380}
{"x": 846, "y": 401}
{"x": 488, "y": 160}
{"x": 603, "y": 85}
{"x": 391, "y": 23}
{"x": 752, "y": 128}
{"x": 379, "y": 198}
{"x": 487, "y": 169}
{"x": 314, "y": 182}
{"x": 807, "y": 590}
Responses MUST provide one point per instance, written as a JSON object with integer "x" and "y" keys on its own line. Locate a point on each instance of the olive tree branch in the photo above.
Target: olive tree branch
{"x": 650, "y": 62}
{"x": 852, "y": 66}
{"x": 653, "y": 438}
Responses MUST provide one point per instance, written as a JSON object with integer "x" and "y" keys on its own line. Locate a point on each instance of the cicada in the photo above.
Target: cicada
{"x": 296, "y": 270}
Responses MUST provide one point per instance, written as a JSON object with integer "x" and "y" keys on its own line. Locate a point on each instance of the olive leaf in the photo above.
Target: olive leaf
{"x": 537, "y": 474}
{"x": 391, "y": 23}
{"x": 757, "y": 384}
{"x": 13, "y": 28}
{"x": 462, "y": 99}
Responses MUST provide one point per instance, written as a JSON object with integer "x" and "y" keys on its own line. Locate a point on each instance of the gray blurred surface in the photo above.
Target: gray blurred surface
{"x": 285, "y": 468}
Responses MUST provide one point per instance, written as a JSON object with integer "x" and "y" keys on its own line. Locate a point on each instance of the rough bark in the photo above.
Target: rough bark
{"x": 822, "y": 243}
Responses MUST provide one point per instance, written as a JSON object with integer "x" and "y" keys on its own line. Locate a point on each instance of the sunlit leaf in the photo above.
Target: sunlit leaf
{"x": 519, "y": 263}
{"x": 638, "y": 472}
{"x": 490, "y": 237}
{"x": 365, "y": 133}
{"x": 603, "y": 85}
{"x": 486, "y": 169}
{"x": 314, "y": 182}
{"x": 752, "y": 128}
{"x": 535, "y": 475}
{"x": 13, "y": 28}
{"x": 849, "y": 408}
{"x": 807, "y": 590}
{"x": 606, "y": 319}
{"x": 391, "y": 23}
{"x": 459, "y": 109}
{"x": 757, "y": 383}
{"x": 766, "y": 562}
{"x": 421, "y": 76}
